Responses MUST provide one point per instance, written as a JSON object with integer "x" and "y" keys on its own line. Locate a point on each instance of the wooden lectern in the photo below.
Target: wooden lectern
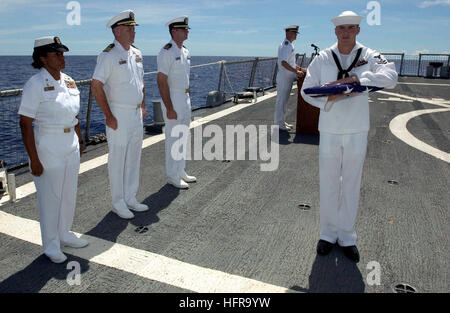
{"x": 307, "y": 115}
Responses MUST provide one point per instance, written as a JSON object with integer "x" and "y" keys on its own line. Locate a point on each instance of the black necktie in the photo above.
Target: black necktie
{"x": 344, "y": 73}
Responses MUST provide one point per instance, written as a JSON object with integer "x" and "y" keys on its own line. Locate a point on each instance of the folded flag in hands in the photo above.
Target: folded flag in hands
{"x": 337, "y": 89}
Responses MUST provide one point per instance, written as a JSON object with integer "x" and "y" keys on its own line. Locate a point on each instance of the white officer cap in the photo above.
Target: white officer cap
{"x": 347, "y": 18}
{"x": 292, "y": 28}
{"x": 123, "y": 18}
{"x": 179, "y": 22}
{"x": 49, "y": 43}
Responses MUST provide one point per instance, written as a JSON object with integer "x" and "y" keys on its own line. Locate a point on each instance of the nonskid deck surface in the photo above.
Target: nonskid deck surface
{"x": 240, "y": 229}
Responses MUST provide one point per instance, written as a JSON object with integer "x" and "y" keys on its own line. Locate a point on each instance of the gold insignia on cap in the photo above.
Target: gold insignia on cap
{"x": 57, "y": 40}
{"x": 132, "y": 16}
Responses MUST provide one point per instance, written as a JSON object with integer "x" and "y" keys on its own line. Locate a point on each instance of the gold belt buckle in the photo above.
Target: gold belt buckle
{"x": 188, "y": 90}
{"x": 66, "y": 130}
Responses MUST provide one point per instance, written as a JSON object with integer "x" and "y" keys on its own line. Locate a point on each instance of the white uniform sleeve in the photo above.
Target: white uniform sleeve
{"x": 163, "y": 62}
{"x": 103, "y": 68}
{"x": 284, "y": 53}
{"x": 381, "y": 74}
{"x": 31, "y": 97}
{"x": 312, "y": 79}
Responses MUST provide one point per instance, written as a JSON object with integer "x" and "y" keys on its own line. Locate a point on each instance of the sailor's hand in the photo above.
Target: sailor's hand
{"x": 36, "y": 167}
{"x": 172, "y": 115}
{"x": 143, "y": 112}
{"x": 111, "y": 122}
{"x": 82, "y": 147}
{"x": 342, "y": 95}
{"x": 300, "y": 73}
{"x": 347, "y": 80}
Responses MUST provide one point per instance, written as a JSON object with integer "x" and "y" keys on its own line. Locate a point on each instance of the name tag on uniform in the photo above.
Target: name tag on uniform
{"x": 178, "y": 58}
{"x": 49, "y": 88}
{"x": 138, "y": 59}
{"x": 122, "y": 62}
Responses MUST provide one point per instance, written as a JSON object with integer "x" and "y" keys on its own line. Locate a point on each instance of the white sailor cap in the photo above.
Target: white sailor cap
{"x": 292, "y": 28}
{"x": 347, "y": 18}
{"x": 179, "y": 22}
{"x": 123, "y": 18}
{"x": 49, "y": 43}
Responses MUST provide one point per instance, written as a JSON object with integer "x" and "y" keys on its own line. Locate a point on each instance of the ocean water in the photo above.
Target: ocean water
{"x": 16, "y": 70}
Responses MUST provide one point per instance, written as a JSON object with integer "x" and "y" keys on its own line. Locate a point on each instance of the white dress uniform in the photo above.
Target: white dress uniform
{"x": 175, "y": 63}
{"x": 54, "y": 106}
{"x": 122, "y": 75}
{"x": 285, "y": 79}
{"x": 343, "y": 126}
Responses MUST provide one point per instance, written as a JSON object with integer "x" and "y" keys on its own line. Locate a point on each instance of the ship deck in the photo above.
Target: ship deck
{"x": 240, "y": 229}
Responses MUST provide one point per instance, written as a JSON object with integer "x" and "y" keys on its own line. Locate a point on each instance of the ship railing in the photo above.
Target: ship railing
{"x": 224, "y": 77}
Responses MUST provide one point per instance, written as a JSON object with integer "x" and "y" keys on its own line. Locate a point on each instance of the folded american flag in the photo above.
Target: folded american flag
{"x": 322, "y": 91}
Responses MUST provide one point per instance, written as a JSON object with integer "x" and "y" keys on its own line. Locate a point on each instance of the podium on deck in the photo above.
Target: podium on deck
{"x": 307, "y": 115}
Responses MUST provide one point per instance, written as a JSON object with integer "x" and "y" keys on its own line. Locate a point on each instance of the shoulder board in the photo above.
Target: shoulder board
{"x": 184, "y": 47}
{"x": 135, "y": 47}
{"x": 108, "y": 48}
{"x": 168, "y": 46}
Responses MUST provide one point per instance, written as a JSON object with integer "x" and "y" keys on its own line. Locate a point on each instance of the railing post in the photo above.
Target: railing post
{"x": 220, "y": 76}
{"x": 252, "y": 74}
{"x": 401, "y": 63}
{"x": 275, "y": 72}
{"x": 418, "y": 68}
{"x": 88, "y": 117}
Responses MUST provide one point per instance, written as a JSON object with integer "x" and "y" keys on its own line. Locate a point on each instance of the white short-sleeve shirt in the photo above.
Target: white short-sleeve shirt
{"x": 175, "y": 63}
{"x": 50, "y": 102}
{"x": 122, "y": 73}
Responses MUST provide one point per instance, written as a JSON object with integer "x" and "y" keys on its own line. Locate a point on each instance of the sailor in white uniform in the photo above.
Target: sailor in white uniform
{"x": 344, "y": 125}
{"x": 51, "y": 100}
{"x": 173, "y": 83}
{"x": 118, "y": 87}
{"x": 288, "y": 72}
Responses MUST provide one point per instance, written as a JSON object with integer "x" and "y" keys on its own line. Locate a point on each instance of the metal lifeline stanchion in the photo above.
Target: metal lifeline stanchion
{"x": 12, "y": 187}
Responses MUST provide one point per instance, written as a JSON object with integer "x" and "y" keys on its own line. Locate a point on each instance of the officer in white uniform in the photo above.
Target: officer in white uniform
{"x": 118, "y": 87}
{"x": 288, "y": 72}
{"x": 173, "y": 83}
{"x": 344, "y": 125}
{"x": 51, "y": 100}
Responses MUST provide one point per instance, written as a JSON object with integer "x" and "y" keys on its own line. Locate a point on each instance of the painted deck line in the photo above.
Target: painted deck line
{"x": 145, "y": 264}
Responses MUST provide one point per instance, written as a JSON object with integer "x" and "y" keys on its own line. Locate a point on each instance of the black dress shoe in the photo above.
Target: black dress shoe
{"x": 324, "y": 247}
{"x": 352, "y": 253}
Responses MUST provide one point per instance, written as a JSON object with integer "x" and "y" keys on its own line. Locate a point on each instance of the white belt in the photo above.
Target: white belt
{"x": 55, "y": 130}
{"x": 126, "y": 106}
{"x": 187, "y": 90}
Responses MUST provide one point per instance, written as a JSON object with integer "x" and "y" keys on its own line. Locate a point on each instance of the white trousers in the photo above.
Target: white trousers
{"x": 284, "y": 87}
{"x": 57, "y": 186}
{"x": 176, "y": 160}
{"x": 341, "y": 161}
{"x": 124, "y": 157}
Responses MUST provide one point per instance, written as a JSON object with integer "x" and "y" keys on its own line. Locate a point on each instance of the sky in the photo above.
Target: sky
{"x": 228, "y": 27}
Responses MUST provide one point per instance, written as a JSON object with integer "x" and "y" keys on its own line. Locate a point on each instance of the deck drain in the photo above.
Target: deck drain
{"x": 304, "y": 206}
{"x": 387, "y": 141}
{"x": 141, "y": 229}
{"x": 404, "y": 288}
{"x": 392, "y": 182}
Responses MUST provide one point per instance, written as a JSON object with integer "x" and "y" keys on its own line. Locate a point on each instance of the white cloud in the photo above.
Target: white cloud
{"x": 429, "y": 3}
